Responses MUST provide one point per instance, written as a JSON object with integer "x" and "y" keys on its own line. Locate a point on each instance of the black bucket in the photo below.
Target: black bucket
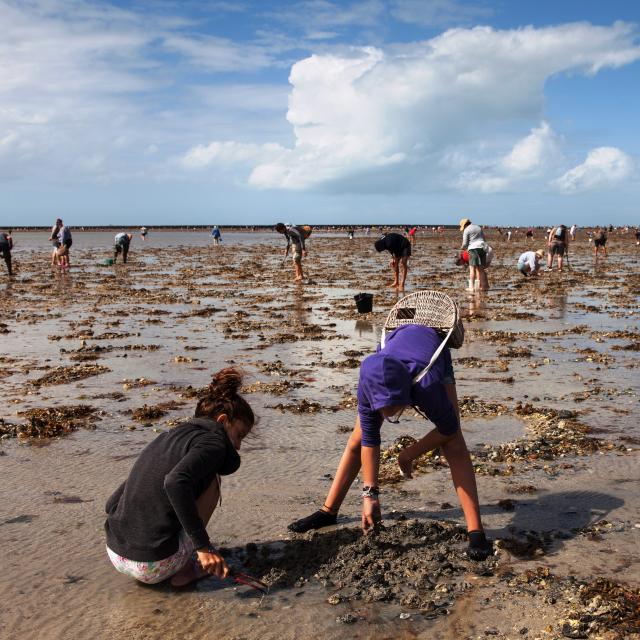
{"x": 364, "y": 302}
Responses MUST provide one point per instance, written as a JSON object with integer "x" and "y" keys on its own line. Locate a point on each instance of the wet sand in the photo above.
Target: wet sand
{"x": 549, "y": 387}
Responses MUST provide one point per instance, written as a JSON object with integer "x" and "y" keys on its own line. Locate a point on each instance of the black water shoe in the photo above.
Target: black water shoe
{"x": 316, "y": 520}
{"x": 479, "y": 547}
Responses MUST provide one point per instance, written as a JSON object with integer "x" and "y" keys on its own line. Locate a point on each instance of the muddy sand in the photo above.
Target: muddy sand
{"x": 96, "y": 362}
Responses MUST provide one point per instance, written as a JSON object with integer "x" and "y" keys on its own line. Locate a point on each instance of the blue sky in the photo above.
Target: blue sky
{"x": 371, "y": 111}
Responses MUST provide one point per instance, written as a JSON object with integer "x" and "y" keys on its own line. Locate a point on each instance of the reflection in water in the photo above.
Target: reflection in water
{"x": 558, "y": 305}
{"x": 299, "y": 310}
{"x": 363, "y": 326}
{"x": 476, "y": 305}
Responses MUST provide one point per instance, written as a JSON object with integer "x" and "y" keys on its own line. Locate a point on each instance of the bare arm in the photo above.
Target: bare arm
{"x": 370, "y": 457}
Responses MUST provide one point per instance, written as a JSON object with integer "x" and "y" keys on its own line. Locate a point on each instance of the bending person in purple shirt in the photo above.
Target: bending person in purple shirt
{"x": 385, "y": 389}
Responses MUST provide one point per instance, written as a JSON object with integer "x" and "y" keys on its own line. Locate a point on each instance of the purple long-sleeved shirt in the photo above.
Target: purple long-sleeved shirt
{"x": 386, "y": 379}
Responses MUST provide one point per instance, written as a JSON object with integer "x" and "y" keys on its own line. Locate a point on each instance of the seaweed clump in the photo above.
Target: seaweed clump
{"x": 51, "y": 422}
{"x": 64, "y": 375}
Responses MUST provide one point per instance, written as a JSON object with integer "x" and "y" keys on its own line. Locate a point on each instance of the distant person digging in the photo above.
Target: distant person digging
{"x": 296, "y": 236}
{"x": 400, "y": 249}
{"x": 557, "y": 245}
{"x": 473, "y": 241}
{"x": 529, "y": 262}
{"x": 463, "y": 259}
{"x": 6, "y": 244}
{"x": 122, "y": 242}
{"x": 600, "y": 241}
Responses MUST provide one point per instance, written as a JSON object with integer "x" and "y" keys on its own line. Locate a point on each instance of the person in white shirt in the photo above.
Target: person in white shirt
{"x": 473, "y": 241}
{"x": 529, "y": 262}
{"x": 122, "y": 242}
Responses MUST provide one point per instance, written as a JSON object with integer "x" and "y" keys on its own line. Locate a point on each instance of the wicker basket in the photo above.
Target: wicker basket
{"x": 430, "y": 309}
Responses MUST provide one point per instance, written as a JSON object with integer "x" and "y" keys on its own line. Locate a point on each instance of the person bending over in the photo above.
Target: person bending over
{"x": 385, "y": 389}
{"x": 557, "y": 245}
{"x": 6, "y": 244}
{"x": 529, "y": 262}
{"x": 400, "y": 249}
{"x": 122, "y": 242}
{"x": 158, "y": 516}
{"x": 473, "y": 241}
{"x": 296, "y": 236}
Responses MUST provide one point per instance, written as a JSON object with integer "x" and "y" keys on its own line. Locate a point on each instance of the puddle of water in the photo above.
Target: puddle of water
{"x": 493, "y": 431}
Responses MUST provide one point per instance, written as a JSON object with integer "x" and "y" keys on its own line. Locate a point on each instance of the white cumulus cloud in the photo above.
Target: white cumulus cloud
{"x": 406, "y": 107}
{"x": 604, "y": 167}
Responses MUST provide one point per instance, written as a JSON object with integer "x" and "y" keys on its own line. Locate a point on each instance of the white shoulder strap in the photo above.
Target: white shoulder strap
{"x": 434, "y": 357}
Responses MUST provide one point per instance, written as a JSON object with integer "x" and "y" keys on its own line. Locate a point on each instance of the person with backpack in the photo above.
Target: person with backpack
{"x": 385, "y": 388}
{"x": 557, "y": 245}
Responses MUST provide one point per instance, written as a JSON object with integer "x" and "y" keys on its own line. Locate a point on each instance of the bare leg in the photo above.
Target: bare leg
{"x": 206, "y": 504}
{"x": 347, "y": 472}
{"x": 560, "y": 262}
{"x": 484, "y": 279}
{"x": 472, "y": 278}
{"x": 464, "y": 479}
{"x": 396, "y": 275}
{"x": 405, "y": 269}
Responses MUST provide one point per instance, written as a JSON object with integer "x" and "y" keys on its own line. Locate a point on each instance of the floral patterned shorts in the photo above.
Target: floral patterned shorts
{"x": 158, "y": 570}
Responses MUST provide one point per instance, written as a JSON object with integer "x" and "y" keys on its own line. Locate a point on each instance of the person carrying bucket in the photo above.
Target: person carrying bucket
{"x": 296, "y": 236}
{"x": 217, "y": 236}
{"x": 400, "y": 249}
{"x": 386, "y": 387}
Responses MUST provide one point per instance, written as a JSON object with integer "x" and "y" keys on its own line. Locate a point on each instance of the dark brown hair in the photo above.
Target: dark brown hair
{"x": 222, "y": 396}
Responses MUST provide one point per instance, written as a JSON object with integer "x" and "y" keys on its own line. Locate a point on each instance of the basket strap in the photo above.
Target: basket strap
{"x": 434, "y": 357}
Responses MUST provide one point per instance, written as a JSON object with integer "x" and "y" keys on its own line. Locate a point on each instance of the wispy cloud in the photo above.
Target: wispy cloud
{"x": 438, "y": 13}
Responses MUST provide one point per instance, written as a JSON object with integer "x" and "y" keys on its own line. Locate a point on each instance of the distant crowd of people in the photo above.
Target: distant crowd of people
{"x": 475, "y": 252}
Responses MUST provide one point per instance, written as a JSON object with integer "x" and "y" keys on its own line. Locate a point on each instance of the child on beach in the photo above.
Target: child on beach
{"x": 386, "y": 387}
{"x": 55, "y": 243}
{"x": 122, "y": 242}
{"x": 217, "y": 236}
{"x": 6, "y": 244}
{"x": 158, "y": 516}
{"x": 64, "y": 244}
{"x": 400, "y": 249}
{"x": 296, "y": 236}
